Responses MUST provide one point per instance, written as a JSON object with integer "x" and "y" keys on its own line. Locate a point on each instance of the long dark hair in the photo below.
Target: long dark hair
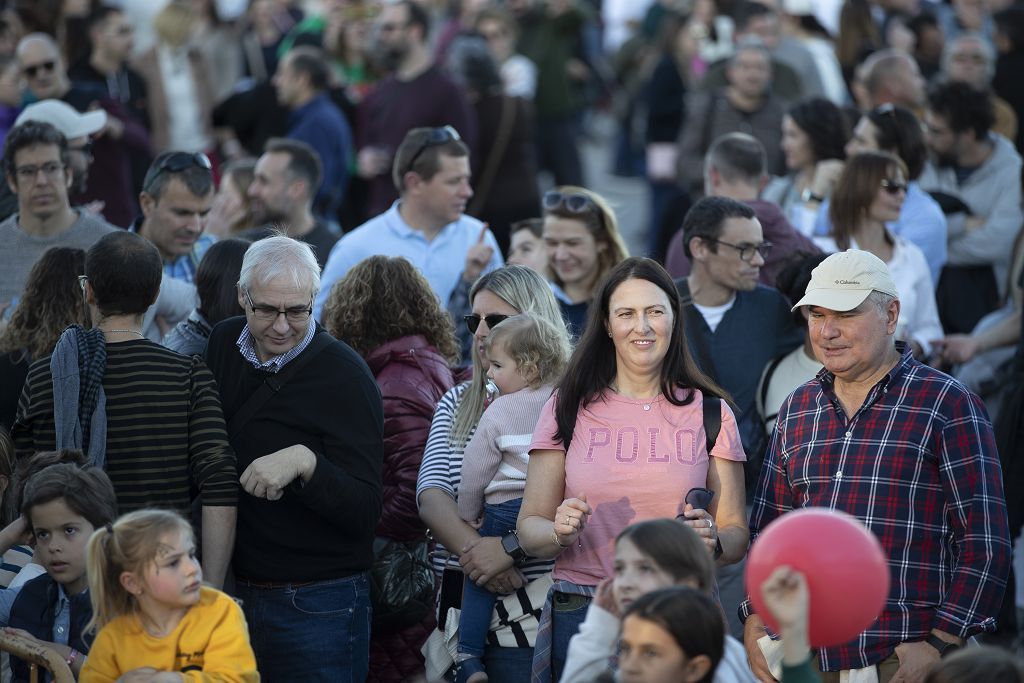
{"x": 216, "y": 278}
{"x": 592, "y": 366}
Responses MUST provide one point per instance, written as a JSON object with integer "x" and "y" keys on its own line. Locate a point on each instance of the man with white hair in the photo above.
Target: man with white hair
{"x": 305, "y": 417}
{"x": 970, "y": 58}
{"x": 907, "y": 450}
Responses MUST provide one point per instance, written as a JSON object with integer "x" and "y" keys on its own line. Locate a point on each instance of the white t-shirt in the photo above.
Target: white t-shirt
{"x": 713, "y": 314}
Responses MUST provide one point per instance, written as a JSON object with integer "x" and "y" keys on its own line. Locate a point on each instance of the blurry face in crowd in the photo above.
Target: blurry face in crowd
{"x": 487, "y": 303}
{"x": 10, "y": 85}
{"x": 750, "y": 72}
{"x": 526, "y": 249}
{"x": 116, "y": 37}
{"x": 499, "y": 38}
{"x": 942, "y": 141}
{"x": 724, "y": 266}
{"x": 44, "y": 192}
{"x": 649, "y": 654}
{"x": 176, "y": 220}
{"x": 765, "y": 27}
{"x": 573, "y": 252}
{"x": 42, "y": 68}
{"x": 392, "y": 36}
{"x": 276, "y": 335}
{"x": 79, "y": 158}
{"x": 968, "y": 63}
{"x": 864, "y": 138}
{"x": 796, "y": 145}
{"x": 443, "y": 198}
{"x": 908, "y": 84}
{"x": 287, "y": 84}
{"x": 640, "y": 322}
{"x": 889, "y": 198}
{"x": 636, "y": 574}
{"x": 273, "y": 192}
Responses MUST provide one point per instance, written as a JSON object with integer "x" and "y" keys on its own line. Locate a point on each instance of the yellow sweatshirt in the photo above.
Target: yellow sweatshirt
{"x": 210, "y": 644}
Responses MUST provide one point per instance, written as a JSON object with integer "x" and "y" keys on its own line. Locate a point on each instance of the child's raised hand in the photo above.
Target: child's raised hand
{"x": 604, "y": 597}
{"x": 787, "y": 598}
{"x": 15, "y": 533}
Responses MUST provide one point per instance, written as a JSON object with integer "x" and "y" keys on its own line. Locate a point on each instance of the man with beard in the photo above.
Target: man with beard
{"x": 416, "y": 94}
{"x": 281, "y": 196}
{"x": 976, "y": 176}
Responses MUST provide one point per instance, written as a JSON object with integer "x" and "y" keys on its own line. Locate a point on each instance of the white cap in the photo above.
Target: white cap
{"x": 64, "y": 118}
{"x": 843, "y": 281}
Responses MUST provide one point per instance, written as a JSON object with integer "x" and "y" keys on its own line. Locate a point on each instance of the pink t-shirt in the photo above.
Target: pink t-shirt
{"x": 634, "y": 460}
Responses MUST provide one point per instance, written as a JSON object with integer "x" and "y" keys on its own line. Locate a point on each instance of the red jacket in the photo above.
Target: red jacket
{"x": 412, "y": 377}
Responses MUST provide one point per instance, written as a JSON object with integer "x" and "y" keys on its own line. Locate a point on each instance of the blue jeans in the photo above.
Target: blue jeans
{"x": 314, "y": 632}
{"x": 567, "y": 614}
{"x": 477, "y": 602}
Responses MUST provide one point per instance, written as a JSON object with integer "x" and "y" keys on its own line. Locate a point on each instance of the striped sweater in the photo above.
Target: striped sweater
{"x": 494, "y": 467}
{"x": 165, "y": 430}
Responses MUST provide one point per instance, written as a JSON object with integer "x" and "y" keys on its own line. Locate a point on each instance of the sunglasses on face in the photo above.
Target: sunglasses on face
{"x": 437, "y": 136}
{"x": 176, "y": 162}
{"x": 473, "y": 321}
{"x": 32, "y": 71}
{"x": 893, "y": 187}
{"x": 573, "y": 202}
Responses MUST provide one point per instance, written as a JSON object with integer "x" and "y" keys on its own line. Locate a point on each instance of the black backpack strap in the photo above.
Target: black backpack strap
{"x": 772, "y": 367}
{"x": 273, "y": 384}
{"x": 712, "y": 420}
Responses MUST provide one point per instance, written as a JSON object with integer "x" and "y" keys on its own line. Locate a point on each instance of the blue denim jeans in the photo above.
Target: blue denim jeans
{"x": 478, "y": 602}
{"x": 315, "y": 632}
{"x": 567, "y": 614}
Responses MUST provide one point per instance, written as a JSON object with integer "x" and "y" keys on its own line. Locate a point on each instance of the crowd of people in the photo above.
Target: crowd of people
{"x": 322, "y": 358}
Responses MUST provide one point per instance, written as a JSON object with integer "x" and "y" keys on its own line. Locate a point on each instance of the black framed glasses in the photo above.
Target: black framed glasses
{"x": 30, "y": 173}
{"x": 436, "y": 136}
{"x": 269, "y": 313}
{"x": 573, "y": 202}
{"x": 176, "y": 162}
{"x": 747, "y": 251}
{"x": 32, "y": 71}
{"x": 493, "y": 320}
{"x": 893, "y": 187}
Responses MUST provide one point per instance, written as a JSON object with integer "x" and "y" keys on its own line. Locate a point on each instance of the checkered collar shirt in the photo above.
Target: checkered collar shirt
{"x": 247, "y": 345}
{"x": 917, "y": 464}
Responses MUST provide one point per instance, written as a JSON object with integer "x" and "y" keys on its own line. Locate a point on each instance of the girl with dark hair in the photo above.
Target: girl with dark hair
{"x": 673, "y": 635}
{"x": 651, "y": 555}
{"x": 897, "y": 131}
{"x": 870, "y": 195}
{"x": 814, "y": 134}
{"x": 51, "y": 302}
{"x": 216, "y": 287}
{"x": 623, "y": 440}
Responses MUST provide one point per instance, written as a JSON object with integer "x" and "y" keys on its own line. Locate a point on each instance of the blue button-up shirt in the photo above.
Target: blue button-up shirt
{"x": 183, "y": 267}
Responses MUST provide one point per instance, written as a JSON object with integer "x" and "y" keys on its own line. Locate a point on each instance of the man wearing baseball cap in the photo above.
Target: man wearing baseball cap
{"x": 907, "y": 450}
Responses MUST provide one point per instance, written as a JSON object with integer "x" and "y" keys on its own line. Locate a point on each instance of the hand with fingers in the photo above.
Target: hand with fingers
{"x": 478, "y": 256}
{"x": 570, "y": 519}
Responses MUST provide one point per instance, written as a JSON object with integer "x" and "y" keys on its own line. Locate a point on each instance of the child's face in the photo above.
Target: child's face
{"x": 61, "y": 536}
{"x": 649, "y": 654}
{"x": 526, "y": 249}
{"x": 173, "y": 578}
{"x": 503, "y": 371}
{"x": 636, "y": 574}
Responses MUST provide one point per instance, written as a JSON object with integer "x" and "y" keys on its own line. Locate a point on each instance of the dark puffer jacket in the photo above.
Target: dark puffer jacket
{"x": 412, "y": 377}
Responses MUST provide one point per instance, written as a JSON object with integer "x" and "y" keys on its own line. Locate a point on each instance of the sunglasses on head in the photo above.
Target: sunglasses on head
{"x": 893, "y": 187}
{"x": 31, "y": 71}
{"x": 573, "y": 202}
{"x": 473, "y": 321}
{"x": 176, "y": 162}
{"x": 436, "y": 136}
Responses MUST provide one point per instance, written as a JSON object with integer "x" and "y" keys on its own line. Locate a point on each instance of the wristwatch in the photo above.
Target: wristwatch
{"x": 510, "y": 544}
{"x": 943, "y": 646}
{"x": 808, "y": 196}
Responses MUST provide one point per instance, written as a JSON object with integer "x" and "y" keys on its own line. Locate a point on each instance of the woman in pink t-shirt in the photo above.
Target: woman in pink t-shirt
{"x": 621, "y": 441}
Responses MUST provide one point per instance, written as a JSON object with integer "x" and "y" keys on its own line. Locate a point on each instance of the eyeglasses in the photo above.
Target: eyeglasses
{"x": 28, "y": 174}
{"x": 893, "y": 187}
{"x": 493, "y": 320}
{"x": 176, "y": 162}
{"x": 747, "y": 251}
{"x": 82, "y": 279}
{"x": 47, "y": 66}
{"x": 269, "y": 313}
{"x": 573, "y": 202}
{"x": 437, "y": 136}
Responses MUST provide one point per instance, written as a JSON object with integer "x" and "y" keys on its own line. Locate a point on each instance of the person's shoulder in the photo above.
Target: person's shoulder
{"x": 93, "y": 223}
{"x": 368, "y": 234}
{"x": 762, "y": 295}
{"x": 230, "y": 328}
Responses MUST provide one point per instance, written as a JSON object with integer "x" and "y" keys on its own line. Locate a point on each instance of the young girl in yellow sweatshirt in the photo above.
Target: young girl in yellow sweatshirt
{"x": 156, "y": 620}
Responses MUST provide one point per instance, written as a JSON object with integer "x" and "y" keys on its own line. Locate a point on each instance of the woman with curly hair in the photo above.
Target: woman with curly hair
{"x": 385, "y": 310}
{"x": 814, "y": 135}
{"x": 52, "y": 301}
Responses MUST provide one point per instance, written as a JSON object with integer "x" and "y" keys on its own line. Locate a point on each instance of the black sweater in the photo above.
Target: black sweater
{"x": 324, "y": 529}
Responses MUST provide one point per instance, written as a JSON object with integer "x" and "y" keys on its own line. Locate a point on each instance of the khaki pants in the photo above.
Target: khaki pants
{"x": 886, "y": 670}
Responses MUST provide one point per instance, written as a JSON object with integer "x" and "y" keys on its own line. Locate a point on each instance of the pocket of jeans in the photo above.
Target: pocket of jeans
{"x": 321, "y": 601}
{"x": 566, "y": 602}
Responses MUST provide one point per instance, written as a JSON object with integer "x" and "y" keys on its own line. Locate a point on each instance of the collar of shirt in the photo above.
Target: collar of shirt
{"x": 247, "y": 346}
{"x": 828, "y": 380}
{"x": 397, "y": 225}
{"x": 183, "y": 267}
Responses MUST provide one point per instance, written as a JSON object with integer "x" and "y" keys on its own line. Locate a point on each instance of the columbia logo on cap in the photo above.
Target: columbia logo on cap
{"x": 847, "y": 282}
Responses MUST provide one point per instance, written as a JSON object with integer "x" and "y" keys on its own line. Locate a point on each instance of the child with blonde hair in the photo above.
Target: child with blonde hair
{"x": 527, "y": 356}
{"x": 155, "y": 617}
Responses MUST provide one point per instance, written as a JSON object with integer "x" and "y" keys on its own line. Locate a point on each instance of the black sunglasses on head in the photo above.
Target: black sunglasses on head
{"x": 436, "y": 136}
{"x": 176, "y": 162}
{"x": 573, "y": 202}
{"x": 473, "y": 321}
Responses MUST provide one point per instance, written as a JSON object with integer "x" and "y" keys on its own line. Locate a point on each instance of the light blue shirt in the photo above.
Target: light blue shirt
{"x": 440, "y": 260}
{"x": 62, "y": 612}
{"x": 921, "y": 223}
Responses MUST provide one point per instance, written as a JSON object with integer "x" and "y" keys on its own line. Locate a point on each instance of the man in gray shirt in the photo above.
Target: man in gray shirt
{"x": 36, "y": 168}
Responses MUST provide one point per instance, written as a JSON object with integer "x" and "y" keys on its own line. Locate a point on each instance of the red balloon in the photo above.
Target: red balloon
{"x": 847, "y": 572}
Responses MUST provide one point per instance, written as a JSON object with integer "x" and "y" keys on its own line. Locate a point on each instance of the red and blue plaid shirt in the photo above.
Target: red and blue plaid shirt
{"x": 917, "y": 464}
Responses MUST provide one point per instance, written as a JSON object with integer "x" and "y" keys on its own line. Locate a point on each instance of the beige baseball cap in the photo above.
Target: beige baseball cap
{"x": 843, "y": 281}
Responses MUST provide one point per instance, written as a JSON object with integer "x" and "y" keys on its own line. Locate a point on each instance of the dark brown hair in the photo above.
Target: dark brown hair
{"x": 856, "y": 190}
{"x": 675, "y": 548}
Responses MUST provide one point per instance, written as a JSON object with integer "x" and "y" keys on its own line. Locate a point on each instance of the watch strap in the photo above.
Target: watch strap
{"x": 943, "y": 646}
